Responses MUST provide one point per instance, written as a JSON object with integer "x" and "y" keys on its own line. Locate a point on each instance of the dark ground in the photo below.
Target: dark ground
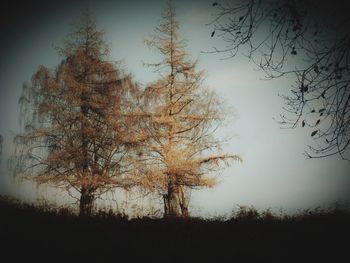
{"x": 33, "y": 234}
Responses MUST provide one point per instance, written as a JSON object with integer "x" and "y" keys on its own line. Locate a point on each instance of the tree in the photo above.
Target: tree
{"x": 76, "y": 119}
{"x": 181, "y": 117}
{"x": 309, "y": 39}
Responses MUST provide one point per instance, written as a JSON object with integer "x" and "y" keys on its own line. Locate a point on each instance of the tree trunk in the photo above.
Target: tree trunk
{"x": 166, "y": 207}
{"x": 86, "y": 202}
{"x": 171, "y": 201}
{"x": 184, "y": 210}
{"x": 86, "y": 195}
{"x": 183, "y": 202}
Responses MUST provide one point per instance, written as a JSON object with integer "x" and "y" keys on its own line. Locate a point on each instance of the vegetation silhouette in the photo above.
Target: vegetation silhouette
{"x": 42, "y": 232}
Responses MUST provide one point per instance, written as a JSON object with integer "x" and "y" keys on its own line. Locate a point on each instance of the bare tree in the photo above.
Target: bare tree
{"x": 309, "y": 39}
{"x": 181, "y": 117}
{"x": 76, "y": 123}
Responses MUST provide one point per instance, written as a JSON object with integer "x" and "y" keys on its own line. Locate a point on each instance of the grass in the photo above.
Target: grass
{"x": 44, "y": 233}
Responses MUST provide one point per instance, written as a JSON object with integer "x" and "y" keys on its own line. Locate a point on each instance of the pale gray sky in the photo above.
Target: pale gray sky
{"x": 274, "y": 173}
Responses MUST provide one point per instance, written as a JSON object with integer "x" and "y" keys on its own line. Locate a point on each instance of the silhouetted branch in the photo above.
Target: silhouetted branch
{"x": 308, "y": 39}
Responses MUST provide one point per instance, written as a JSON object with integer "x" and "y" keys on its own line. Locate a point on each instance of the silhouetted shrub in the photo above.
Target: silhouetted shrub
{"x": 42, "y": 231}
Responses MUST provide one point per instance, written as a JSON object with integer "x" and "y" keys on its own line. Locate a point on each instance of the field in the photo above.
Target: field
{"x": 40, "y": 233}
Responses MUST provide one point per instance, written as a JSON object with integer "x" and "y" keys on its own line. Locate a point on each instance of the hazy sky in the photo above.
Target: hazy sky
{"x": 274, "y": 173}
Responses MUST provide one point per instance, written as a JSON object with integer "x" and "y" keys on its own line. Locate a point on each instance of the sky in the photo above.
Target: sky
{"x": 274, "y": 174}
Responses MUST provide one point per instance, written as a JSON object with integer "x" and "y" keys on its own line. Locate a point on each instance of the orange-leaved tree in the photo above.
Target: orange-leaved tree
{"x": 77, "y": 131}
{"x": 181, "y": 117}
